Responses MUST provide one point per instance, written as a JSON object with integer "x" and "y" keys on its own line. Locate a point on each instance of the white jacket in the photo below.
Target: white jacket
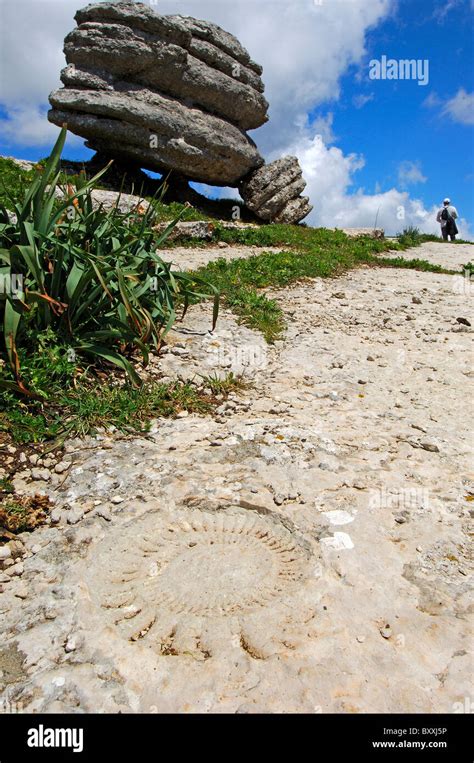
{"x": 452, "y": 211}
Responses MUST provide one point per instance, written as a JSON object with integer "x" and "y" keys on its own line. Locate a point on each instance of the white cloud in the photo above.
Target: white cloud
{"x": 409, "y": 173}
{"x": 323, "y": 126}
{"x": 461, "y": 107}
{"x": 27, "y": 125}
{"x": 441, "y": 12}
{"x": 359, "y": 101}
{"x": 31, "y": 59}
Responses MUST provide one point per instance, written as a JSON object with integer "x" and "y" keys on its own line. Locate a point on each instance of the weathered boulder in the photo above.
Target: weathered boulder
{"x": 173, "y": 93}
{"x": 273, "y": 191}
{"x": 170, "y": 92}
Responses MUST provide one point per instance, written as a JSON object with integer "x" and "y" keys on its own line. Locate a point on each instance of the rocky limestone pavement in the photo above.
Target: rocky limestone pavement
{"x": 273, "y": 191}
{"x": 304, "y": 549}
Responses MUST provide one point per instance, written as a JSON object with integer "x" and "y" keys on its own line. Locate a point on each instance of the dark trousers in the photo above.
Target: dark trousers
{"x": 446, "y": 235}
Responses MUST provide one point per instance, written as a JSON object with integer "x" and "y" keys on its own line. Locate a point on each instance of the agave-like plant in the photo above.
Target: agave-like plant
{"x": 90, "y": 274}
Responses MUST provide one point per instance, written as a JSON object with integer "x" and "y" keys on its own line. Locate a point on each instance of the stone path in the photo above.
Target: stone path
{"x": 185, "y": 258}
{"x": 303, "y": 550}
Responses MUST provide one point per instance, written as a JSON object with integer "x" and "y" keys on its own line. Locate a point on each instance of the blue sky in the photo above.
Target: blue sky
{"x": 368, "y": 147}
{"x": 404, "y": 121}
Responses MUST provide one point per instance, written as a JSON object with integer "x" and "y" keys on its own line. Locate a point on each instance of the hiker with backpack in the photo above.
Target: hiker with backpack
{"x": 447, "y": 217}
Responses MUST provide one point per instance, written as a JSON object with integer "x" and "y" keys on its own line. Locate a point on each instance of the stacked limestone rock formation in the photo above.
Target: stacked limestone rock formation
{"x": 169, "y": 93}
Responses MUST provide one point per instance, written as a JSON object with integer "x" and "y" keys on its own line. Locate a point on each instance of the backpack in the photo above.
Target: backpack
{"x": 445, "y": 214}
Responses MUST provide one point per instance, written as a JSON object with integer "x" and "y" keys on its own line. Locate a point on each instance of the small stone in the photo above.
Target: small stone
{"x": 222, "y": 245}
{"x": 21, "y": 591}
{"x": 62, "y": 467}
{"x": 104, "y": 513}
{"x": 416, "y": 300}
{"x": 463, "y": 321}
{"x": 279, "y": 499}
{"x": 419, "y": 549}
{"x": 369, "y": 357}
{"x": 71, "y": 644}
{"x": 360, "y": 639}
{"x": 362, "y": 381}
{"x": 55, "y": 516}
{"x": 16, "y": 569}
{"x": 74, "y": 517}
{"x": 430, "y": 446}
{"x": 386, "y": 631}
{"x": 182, "y": 414}
{"x": 41, "y": 474}
{"x": 5, "y": 552}
{"x": 117, "y": 499}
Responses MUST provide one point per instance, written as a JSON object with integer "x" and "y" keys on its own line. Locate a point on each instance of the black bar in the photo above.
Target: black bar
{"x": 156, "y": 737}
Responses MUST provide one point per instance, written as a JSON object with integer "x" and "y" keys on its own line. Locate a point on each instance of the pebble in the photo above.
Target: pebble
{"x": 430, "y": 446}
{"x": 5, "y": 552}
{"x": 15, "y": 569}
{"x": 41, "y": 474}
{"x": 71, "y": 644}
{"x": 62, "y": 467}
{"x": 386, "y": 631}
{"x": 21, "y": 591}
{"x": 117, "y": 499}
{"x": 279, "y": 499}
{"x": 73, "y": 517}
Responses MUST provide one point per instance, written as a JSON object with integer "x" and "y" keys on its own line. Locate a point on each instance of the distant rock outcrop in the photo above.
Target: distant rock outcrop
{"x": 167, "y": 93}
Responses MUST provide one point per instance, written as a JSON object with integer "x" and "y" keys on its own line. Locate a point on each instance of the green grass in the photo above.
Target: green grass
{"x": 76, "y": 405}
{"x": 13, "y": 181}
{"x": 224, "y": 385}
{"x": 414, "y": 264}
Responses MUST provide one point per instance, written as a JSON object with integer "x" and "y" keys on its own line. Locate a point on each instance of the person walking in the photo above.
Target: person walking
{"x": 447, "y": 217}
